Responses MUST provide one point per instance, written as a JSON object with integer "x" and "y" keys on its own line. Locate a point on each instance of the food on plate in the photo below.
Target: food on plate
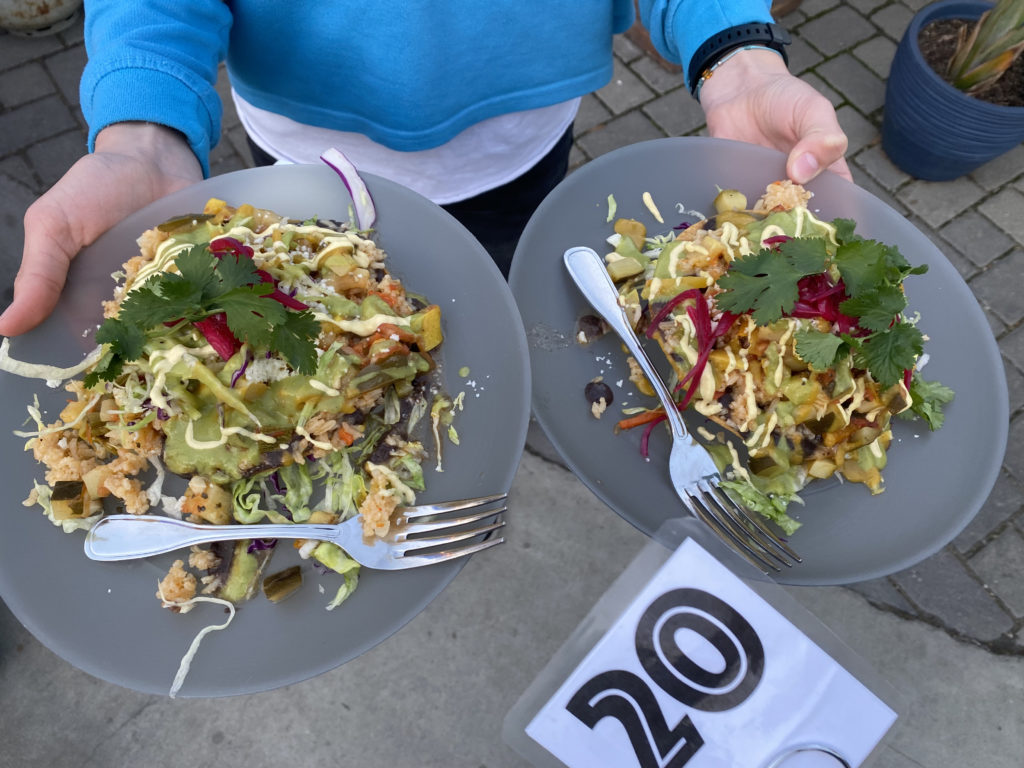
{"x": 276, "y": 364}
{"x": 788, "y": 332}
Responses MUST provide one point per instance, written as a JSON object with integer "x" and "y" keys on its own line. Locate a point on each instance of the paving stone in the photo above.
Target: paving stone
{"x": 676, "y": 113}
{"x": 861, "y": 87}
{"x": 1014, "y": 460}
{"x": 17, "y": 168}
{"x": 893, "y": 20}
{"x": 815, "y": 7}
{"x": 999, "y": 287}
{"x": 1005, "y": 501}
{"x": 977, "y": 238}
{"x": 916, "y": 5}
{"x": 881, "y": 168}
{"x": 860, "y": 131}
{"x": 625, "y": 91}
{"x": 51, "y": 158}
{"x": 656, "y": 76}
{"x": 867, "y": 6}
{"x": 837, "y": 30}
{"x": 16, "y": 50}
{"x": 66, "y": 68}
{"x": 591, "y": 113}
{"x": 834, "y": 97}
{"x": 1000, "y": 565}
{"x": 576, "y": 158}
{"x": 938, "y": 202}
{"x": 877, "y": 54}
{"x": 1014, "y": 386}
{"x": 995, "y": 173}
{"x": 237, "y": 138}
{"x": 941, "y": 587}
{"x": 1006, "y": 210}
{"x": 867, "y": 183}
{"x": 626, "y": 49}
{"x": 24, "y": 84}
{"x": 74, "y": 34}
{"x": 628, "y": 129}
{"x": 802, "y": 56}
{"x": 34, "y": 121}
{"x": 1012, "y": 347}
{"x": 882, "y": 592}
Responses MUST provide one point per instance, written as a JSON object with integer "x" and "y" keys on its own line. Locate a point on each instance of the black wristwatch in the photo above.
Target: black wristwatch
{"x": 755, "y": 33}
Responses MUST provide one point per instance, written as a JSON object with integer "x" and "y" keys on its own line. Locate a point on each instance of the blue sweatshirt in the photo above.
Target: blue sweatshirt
{"x": 409, "y": 74}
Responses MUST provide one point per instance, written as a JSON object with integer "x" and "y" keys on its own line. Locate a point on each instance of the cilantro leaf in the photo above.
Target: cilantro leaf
{"x": 293, "y": 339}
{"x": 818, "y": 349}
{"x": 251, "y": 317}
{"x": 107, "y": 369}
{"x": 196, "y": 267}
{"x": 204, "y": 286}
{"x": 890, "y": 352}
{"x": 144, "y": 307}
{"x": 236, "y": 271}
{"x": 876, "y": 310}
{"x": 125, "y": 340}
{"x": 765, "y": 283}
{"x": 928, "y": 398}
{"x": 862, "y": 265}
{"x": 844, "y": 230}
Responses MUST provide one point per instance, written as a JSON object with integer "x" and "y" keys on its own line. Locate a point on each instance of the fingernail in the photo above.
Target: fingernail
{"x": 805, "y": 168}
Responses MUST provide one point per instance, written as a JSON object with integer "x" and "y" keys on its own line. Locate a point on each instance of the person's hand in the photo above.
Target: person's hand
{"x": 133, "y": 165}
{"x": 752, "y": 97}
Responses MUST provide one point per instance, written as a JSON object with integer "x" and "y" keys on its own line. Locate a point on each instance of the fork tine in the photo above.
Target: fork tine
{"x": 768, "y": 539}
{"x": 750, "y": 539}
{"x": 728, "y": 535}
{"x": 449, "y": 506}
{"x": 415, "y": 561}
{"x": 414, "y": 545}
{"x": 402, "y": 532}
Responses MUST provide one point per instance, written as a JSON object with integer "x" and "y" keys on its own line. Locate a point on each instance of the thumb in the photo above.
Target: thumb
{"x": 43, "y": 271}
{"x": 815, "y": 152}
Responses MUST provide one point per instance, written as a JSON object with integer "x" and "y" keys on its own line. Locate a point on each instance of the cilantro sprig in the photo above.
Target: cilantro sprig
{"x": 870, "y": 307}
{"x": 206, "y": 285}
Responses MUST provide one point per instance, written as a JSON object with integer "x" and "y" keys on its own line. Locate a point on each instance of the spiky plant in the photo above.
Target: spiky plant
{"x": 985, "y": 53}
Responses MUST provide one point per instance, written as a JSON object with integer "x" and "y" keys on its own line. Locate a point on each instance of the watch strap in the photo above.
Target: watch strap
{"x": 766, "y": 34}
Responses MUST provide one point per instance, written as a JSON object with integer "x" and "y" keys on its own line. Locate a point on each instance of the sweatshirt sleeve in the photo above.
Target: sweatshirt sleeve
{"x": 678, "y": 27}
{"x": 155, "y": 62}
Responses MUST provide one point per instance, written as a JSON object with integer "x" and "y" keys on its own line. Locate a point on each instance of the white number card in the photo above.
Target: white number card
{"x": 700, "y": 671}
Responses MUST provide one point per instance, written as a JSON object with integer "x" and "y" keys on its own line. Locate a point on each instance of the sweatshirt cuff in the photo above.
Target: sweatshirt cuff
{"x": 131, "y": 90}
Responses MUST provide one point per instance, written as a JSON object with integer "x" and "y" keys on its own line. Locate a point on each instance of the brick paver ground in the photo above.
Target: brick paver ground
{"x": 972, "y": 588}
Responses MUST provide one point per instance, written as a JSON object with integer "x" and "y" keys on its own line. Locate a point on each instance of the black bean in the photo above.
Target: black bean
{"x": 595, "y": 391}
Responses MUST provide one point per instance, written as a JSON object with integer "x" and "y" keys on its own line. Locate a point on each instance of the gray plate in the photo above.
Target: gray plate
{"x": 935, "y": 482}
{"x": 104, "y": 617}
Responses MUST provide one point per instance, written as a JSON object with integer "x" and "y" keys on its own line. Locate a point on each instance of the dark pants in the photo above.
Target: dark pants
{"x": 497, "y": 217}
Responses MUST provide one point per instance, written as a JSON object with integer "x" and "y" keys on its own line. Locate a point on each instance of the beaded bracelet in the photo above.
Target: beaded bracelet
{"x": 707, "y": 73}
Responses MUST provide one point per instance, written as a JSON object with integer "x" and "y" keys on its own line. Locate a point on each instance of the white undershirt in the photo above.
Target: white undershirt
{"x": 482, "y": 157}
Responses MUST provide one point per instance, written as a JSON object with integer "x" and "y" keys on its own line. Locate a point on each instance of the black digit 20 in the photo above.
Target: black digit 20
{"x": 622, "y": 695}
{"x": 680, "y": 676}
{"x": 627, "y": 697}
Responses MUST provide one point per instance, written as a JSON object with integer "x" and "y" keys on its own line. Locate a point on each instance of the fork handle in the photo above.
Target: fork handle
{"x": 128, "y": 537}
{"x": 588, "y": 270}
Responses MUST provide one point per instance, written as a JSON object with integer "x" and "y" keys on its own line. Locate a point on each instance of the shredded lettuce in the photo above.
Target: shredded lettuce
{"x": 332, "y": 556}
{"x": 771, "y": 507}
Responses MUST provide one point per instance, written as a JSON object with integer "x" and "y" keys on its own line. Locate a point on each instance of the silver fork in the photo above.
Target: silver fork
{"x": 127, "y": 537}
{"x": 694, "y": 475}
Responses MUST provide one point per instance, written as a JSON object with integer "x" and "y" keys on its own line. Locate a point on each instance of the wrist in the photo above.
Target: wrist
{"x": 738, "y": 73}
{"x": 158, "y": 144}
